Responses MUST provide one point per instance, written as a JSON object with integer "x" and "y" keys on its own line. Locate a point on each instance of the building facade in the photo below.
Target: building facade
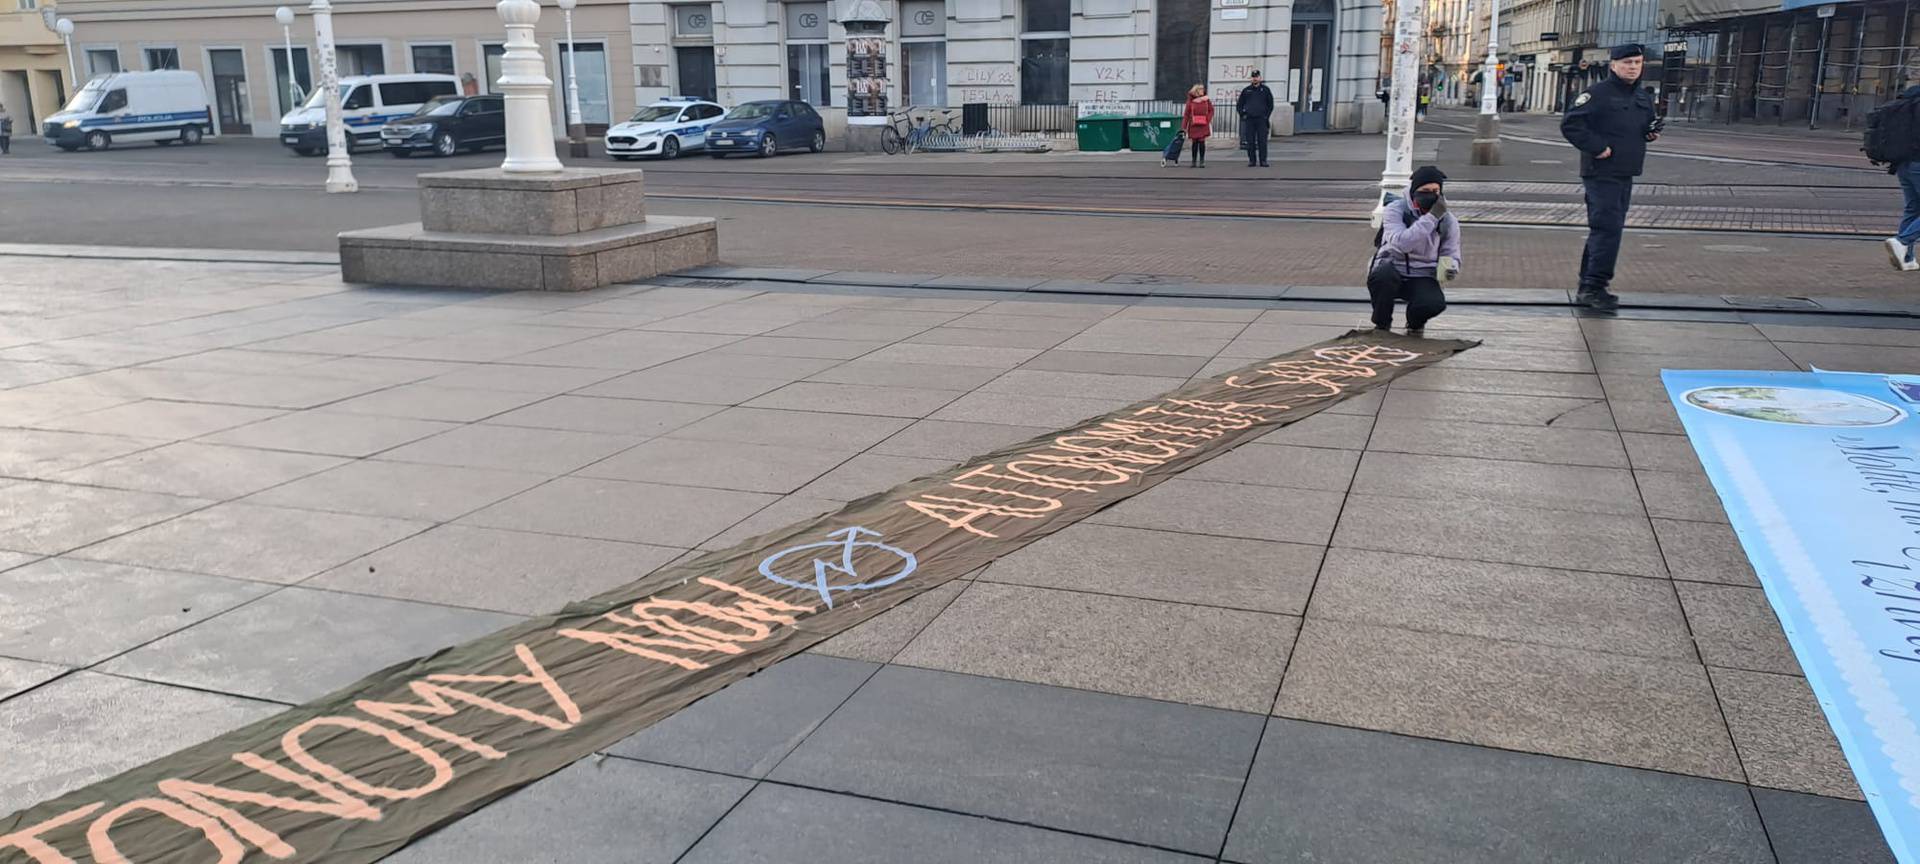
{"x": 33, "y": 64}
{"x": 1825, "y": 65}
{"x": 1528, "y": 44}
{"x": 1587, "y": 32}
{"x": 1030, "y": 59}
{"x": 1551, "y": 50}
{"x": 1033, "y": 61}
{"x": 240, "y": 53}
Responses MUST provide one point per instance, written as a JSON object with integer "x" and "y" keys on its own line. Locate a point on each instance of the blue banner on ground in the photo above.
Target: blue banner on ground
{"x": 1820, "y": 476}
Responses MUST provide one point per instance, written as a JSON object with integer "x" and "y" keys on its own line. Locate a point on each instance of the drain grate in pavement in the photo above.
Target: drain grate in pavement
{"x": 1147, "y": 279}
{"x": 1769, "y": 302}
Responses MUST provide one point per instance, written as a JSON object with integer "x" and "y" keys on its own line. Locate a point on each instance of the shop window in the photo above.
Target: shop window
{"x": 808, "y": 68}
{"x": 923, "y": 52}
{"x": 1046, "y": 52}
{"x": 432, "y": 59}
{"x": 925, "y": 73}
{"x": 103, "y": 61}
{"x": 595, "y": 106}
{"x": 1044, "y": 66}
{"x": 361, "y": 60}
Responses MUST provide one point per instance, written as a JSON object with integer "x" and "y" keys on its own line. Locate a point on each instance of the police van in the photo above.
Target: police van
{"x": 163, "y": 106}
{"x": 367, "y": 102}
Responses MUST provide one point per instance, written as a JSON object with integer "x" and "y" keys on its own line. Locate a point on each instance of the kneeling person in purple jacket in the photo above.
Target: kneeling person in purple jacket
{"x": 1422, "y": 243}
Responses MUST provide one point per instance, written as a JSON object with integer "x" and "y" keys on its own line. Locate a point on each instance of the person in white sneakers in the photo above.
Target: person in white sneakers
{"x": 1893, "y": 135}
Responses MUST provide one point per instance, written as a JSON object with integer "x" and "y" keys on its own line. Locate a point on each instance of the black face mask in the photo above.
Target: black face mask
{"x": 1425, "y": 200}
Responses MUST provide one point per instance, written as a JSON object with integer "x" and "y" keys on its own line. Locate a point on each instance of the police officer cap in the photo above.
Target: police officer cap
{"x": 1631, "y": 49}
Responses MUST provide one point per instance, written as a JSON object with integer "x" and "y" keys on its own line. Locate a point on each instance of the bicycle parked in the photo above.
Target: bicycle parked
{"x": 903, "y": 135}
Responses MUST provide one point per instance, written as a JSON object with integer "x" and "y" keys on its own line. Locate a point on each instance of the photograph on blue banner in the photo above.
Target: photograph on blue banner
{"x": 1819, "y": 473}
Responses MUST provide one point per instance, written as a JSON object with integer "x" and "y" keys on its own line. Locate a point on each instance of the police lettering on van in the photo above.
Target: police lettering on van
{"x": 162, "y": 106}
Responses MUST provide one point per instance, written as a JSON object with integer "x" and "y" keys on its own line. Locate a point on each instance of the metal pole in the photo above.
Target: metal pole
{"x": 1819, "y": 74}
{"x": 339, "y": 155}
{"x": 293, "y": 78}
{"x": 523, "y": 77}
{"x": 1733, "y": 75}
{"x": 1786, "y": 70}
{"x": 1406, "y": 96}
{"x": 576, "y": 129}
{"x": 1859, "y": 46}
{"x": 64, "y": 27}
{"x": 1900, "y": 54}
{"x": 1486, "y": 133}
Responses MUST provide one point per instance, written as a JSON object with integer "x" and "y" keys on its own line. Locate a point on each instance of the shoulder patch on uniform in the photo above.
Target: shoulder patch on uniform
{"x": 1584, "y": 99}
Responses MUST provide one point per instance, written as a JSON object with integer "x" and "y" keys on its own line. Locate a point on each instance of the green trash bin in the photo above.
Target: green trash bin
{"x": 1103, "y": 133}
{"x": 1152, "y": 132}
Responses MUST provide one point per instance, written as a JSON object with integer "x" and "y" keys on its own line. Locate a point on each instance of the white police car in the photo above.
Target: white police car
{"x": 665, "y": 129}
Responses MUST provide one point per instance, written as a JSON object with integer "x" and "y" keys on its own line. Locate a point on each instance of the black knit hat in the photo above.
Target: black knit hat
{"x": 1631, "y": 49}
{"x": 1426, "y": 174}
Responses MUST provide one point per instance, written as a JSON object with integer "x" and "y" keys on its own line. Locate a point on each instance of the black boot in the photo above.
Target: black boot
{"x": 1597, "y": 298}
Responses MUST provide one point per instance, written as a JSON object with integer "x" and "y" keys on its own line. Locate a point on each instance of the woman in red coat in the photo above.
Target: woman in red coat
{"x": 1197, "y": 122}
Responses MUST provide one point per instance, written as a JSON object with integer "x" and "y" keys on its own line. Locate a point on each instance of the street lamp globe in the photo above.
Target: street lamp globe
{"x": 284, "y": 16}
{"x": 568, "y": 5}
{"x": 64, "y": 26}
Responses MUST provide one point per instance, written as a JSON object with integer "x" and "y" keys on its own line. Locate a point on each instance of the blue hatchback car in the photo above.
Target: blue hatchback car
{"x": 766, "y": 128}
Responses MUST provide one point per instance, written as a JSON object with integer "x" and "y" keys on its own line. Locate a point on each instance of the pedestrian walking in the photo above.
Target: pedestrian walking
{"x": 1197, "y": 122}
{"x": 1418, "y": 248}
{"x": 6, "y": 131}
{"x": 1426, "y": 98}
{"x": 1611, "y": 124}
{"x": 1256, "y": 111}
{"x": 1893, "y": 138}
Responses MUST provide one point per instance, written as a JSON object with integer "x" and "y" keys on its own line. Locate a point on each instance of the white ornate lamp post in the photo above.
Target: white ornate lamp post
{"x": 576, "y": 128}
{"x": 523, "y": 78}
{"x": 65, "y": 27}
{"x": 285, "y": 17}
{"x": 1407, "y": 29}
{"x": 339, "y": 158}
{"x": 1486, "y": 132}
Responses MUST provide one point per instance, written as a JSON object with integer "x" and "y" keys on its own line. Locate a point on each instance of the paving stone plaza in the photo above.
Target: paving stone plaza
{"x": 1492, "y": 612}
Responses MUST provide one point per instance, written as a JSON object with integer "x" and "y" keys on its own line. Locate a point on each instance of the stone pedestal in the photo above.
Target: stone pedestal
{"x": 1486, "y": 140}
{"x": 569, "y": 230}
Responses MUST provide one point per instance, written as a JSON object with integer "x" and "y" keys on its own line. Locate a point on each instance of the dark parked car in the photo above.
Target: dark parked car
{"x": 767, "y": 128}
{"x": 447, "y": 125}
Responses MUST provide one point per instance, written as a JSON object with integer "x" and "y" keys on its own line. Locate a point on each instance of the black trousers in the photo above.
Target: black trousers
{"x": 1199, "y": 150}
{"x": 1607, "y": 201}
{"x": 1422, "y": 293}
{"x": 1254, "y": 130}
{"x": 6, "y": 143}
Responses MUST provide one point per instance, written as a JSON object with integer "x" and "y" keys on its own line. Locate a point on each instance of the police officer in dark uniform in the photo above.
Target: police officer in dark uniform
{"x": 1255, "y": 107}
{"x": 1611, "y": 124}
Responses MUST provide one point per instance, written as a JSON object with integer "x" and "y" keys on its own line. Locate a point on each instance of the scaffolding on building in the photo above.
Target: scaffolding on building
{"x": 1826, "y": 66}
